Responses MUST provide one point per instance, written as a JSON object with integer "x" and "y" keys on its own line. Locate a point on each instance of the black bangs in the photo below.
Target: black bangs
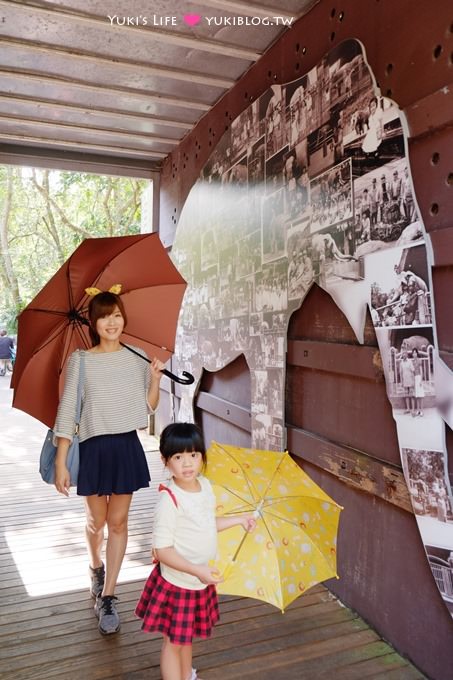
{"x": 179, "y": 437}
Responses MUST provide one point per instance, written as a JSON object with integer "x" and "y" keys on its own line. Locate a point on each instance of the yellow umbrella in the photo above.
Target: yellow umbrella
{"x": 294, "y": 544}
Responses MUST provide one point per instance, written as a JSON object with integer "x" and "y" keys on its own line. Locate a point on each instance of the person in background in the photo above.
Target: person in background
{"x": 6, "y": 350}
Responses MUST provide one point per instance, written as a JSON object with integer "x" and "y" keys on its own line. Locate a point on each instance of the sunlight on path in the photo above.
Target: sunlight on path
{"x": 42, "y": 546}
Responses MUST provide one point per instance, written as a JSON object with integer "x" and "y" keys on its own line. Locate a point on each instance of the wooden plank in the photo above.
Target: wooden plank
{"x": 356, "y": 669}
{"x": 352, "y": 467}
{"x": 407, "y": 673}
{"x": 51, "y": 638}
{"x": 54, "y": 635}
{"x": 264, "y": 658}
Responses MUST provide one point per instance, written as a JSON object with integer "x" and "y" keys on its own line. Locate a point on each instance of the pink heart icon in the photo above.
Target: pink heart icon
{"x": 192, "y": 19}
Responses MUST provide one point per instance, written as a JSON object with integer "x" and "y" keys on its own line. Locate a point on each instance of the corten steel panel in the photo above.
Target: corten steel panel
{"x": 385, "y": 576}
{"x": 381, "y": 559}
{"x": 442, "y": 289}
{"x": 221, "y": 431}
{"x": 348, "y": 410}
{"x": 432, "y": 168}
{"x": 450, "y": 453}
{"x": 231, "y": 384}
{"x": 336, "y": 329}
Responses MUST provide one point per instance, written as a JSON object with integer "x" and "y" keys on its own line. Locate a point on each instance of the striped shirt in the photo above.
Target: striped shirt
{"x": 114, "y": 394}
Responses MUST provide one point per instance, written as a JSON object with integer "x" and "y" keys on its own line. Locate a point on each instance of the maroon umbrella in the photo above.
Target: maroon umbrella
{"x": 55, "y": 323}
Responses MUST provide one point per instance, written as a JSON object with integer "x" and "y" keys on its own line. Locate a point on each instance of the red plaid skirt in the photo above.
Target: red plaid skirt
{"x": 178, "y": 613}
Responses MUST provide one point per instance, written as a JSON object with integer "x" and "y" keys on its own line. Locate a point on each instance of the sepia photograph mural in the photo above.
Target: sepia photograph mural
{"x": 311, "y": 184}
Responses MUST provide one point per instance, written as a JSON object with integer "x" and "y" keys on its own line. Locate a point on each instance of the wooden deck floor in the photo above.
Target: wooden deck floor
{"x": 48, "y": 629}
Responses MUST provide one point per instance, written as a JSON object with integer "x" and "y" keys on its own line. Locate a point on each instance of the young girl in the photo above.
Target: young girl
{"x": 419, "y": 390}
{"x": 118, "y": 389}
{"x": 179, "y": 598}
{"x": 408, "y": 382}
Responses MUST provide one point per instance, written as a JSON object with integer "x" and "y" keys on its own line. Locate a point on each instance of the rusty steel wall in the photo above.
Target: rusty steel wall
{"x": 384, "y": 573}
{"x": 409, "y": 46}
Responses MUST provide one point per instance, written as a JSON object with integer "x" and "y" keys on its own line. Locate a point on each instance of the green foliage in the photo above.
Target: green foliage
{"x": 49, "y": 214}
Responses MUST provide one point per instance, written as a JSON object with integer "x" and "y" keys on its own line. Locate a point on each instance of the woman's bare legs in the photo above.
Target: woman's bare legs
{"x": 117, "y": 515}
{"x": 96, "y": 515}
{"x": 113, "y": 511}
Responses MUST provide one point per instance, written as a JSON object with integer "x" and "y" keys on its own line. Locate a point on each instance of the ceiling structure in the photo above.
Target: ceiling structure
{"x": 123, "y": 80}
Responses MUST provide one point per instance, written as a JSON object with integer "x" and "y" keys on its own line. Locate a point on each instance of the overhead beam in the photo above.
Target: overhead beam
{"x": 54, "y": 159}
{"x": 56, "y": 125}
{"x": 84, "y": 110}
{"x": 151, "y": 97}
{"x": 249, "y": 9}
{"x": 148, "y": 32}
{"x": 131, "y": 65}
{"x": 91, "y": 148}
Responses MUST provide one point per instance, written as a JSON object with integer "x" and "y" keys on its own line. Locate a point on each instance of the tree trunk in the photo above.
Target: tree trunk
{"x": 6, "y": 263}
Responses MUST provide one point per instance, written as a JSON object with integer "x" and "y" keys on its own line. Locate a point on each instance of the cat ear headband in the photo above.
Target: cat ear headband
{"x": 116, "y": 289}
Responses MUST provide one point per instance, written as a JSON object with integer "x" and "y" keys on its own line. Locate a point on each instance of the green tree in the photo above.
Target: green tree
{"x": 44, "y": 215}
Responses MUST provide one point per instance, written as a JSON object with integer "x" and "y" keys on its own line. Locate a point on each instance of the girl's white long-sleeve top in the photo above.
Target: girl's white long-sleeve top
{"x": 189, "y": 526}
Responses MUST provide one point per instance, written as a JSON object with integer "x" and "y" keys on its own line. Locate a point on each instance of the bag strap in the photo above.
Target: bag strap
{"x": 79, "y": 390}
{"x": 162, "y": 487}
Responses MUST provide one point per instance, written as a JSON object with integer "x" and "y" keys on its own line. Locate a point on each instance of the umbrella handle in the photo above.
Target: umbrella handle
{"x": 187, "y": 378}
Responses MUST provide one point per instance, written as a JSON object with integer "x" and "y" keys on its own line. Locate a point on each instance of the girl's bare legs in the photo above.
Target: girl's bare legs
{"x": 186, "y": 662}
{"x": 113, "y": 511}
{"x": 171, "y": 661}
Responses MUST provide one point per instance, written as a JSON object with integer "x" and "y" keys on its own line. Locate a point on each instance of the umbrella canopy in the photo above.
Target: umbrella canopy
{"x": 54, "y": 324}
{"x": 294, "y": 544}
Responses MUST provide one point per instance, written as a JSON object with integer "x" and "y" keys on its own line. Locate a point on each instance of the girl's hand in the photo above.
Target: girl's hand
{"x": 248, "y": 522}
{"x": 156, "y": 368}
{"x": 208, "y": 575}
{"x": 62, "y": 479}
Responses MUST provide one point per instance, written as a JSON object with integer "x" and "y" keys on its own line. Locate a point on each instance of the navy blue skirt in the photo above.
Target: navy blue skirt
{"x": 112, "y": 464}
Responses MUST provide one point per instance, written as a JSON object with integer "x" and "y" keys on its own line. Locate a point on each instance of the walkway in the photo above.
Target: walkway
{"x": 48, "y": 629}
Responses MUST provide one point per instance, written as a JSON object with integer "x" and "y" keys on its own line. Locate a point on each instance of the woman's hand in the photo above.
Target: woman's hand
{"x": 156, "y": 368}
{"x": 62, "y": 478}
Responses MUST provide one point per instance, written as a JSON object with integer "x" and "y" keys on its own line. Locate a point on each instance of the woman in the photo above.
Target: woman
{"x": 119, "y": 389}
